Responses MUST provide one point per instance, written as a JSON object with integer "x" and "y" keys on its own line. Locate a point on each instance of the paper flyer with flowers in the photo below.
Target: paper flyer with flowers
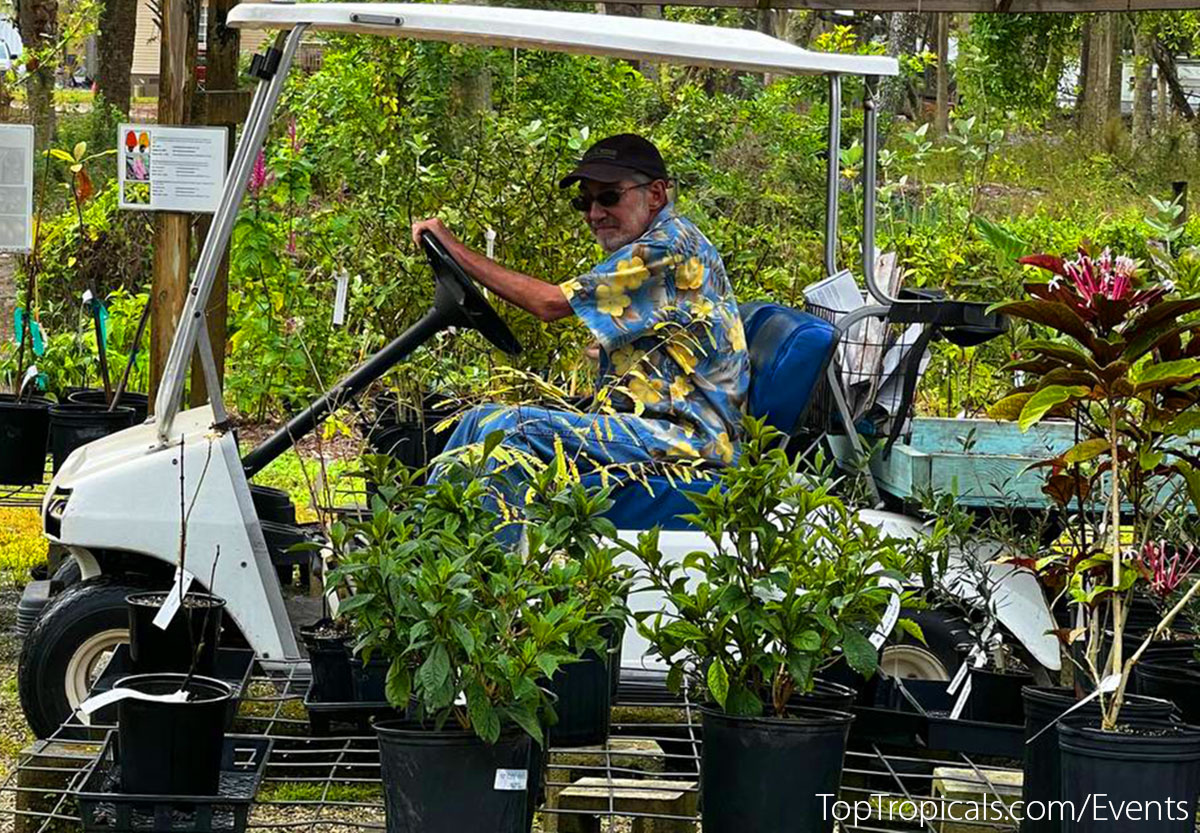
{"x": 171, "y": 168}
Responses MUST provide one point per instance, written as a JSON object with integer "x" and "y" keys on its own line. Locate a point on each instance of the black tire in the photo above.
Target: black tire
{"x": 944, "y": 632}
{"x": 82, "y": 612}
{"x": 69, "y": 573}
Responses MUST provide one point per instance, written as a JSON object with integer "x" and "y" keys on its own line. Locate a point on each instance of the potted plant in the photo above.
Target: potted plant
{"x": 564, "y": 524}
{"x": 1123, "y": 365}
{"x": 470, "y": 629}
{"x": 795, "y": 581}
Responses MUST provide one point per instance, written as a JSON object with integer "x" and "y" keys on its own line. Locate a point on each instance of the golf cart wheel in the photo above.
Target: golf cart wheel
{"x": 905, "y": 657}
{"x": 68, "y": 649}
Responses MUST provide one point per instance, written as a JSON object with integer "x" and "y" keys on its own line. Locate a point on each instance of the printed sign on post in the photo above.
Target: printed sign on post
{"x": 16, "y": 188}
{"x": 171, "y": 168}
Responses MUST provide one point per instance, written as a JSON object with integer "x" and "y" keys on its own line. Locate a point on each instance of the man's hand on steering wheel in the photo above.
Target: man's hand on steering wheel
{"x": 437, "y": 228}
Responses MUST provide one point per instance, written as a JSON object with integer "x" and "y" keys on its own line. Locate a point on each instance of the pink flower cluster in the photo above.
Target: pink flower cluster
{"x": 259, "y": 178}
{"x": 1109, "y": 277}
{"x": 1167, "y": 566}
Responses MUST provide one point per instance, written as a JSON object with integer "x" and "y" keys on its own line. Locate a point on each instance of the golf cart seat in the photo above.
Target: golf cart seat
{"x": 789, "y": 352}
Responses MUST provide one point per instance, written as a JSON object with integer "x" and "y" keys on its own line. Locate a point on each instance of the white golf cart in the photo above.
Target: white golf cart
{"x": 114, "y": 505}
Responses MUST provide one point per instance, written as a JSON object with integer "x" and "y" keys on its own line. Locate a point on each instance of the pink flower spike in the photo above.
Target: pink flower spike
{"x": 258, "y": 176}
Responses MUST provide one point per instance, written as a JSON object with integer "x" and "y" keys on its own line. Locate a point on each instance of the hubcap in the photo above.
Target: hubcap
{"x": 89, "y": 661}
{"x": 910, "y": 662}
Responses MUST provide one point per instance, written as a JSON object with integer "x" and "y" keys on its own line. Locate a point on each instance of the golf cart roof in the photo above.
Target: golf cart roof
{"x": 659, "y": 41}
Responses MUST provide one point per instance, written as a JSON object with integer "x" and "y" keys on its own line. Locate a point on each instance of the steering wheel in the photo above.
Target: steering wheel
{"x": 457, "y": 297}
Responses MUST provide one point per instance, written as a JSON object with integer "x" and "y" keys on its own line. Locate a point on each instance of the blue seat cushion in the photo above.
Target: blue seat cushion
{"x": 789, "y": 352}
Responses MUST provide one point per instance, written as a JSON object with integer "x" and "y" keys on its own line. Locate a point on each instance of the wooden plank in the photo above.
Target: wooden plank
{"x": 1013, "y": 7}
{"x": 986, "y": 436}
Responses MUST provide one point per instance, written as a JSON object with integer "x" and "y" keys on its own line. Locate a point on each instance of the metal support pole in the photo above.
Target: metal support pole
{"x": 870, "y": 158}
{"x": 212, "y": 380}
{"x": 834, "y": 174}
{"x": 266, "y": 97}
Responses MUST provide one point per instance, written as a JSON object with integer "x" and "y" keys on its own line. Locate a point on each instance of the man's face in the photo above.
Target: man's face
{"x": 618, "y": 225}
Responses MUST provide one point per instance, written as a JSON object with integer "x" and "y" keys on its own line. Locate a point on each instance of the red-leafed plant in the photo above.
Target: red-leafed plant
{"x": 1124, "y": 362}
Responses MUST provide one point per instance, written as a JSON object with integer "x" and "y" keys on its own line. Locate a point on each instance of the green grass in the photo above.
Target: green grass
{"x": 296, "y": 477}
{"x": 314, "y": 791}
{"x": 21, "y": 545}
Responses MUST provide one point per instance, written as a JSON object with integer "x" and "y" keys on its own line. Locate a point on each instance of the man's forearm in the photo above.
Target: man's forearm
{"x": 545, "y": 300}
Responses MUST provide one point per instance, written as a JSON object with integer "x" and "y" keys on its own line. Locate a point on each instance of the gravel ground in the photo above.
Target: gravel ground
{"x": 14, "y": 734}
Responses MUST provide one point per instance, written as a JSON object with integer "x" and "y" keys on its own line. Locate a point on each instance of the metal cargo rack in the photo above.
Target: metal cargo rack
{"x": 644, "y": 779}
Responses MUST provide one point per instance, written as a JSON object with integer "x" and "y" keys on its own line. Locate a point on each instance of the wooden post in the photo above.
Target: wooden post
{"x": 221, "y": 105}
{"x": 176, "y": 80}
{"x": 941, "y": 118}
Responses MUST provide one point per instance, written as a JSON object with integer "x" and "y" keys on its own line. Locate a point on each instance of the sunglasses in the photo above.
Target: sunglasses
{"x": 607, "y": 198}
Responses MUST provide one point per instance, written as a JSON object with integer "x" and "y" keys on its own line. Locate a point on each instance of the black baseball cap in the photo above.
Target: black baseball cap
{"x": 615, "y": 158}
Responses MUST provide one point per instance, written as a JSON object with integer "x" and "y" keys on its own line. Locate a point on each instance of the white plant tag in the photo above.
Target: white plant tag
{"x": 490, "y": 236}
{"x": 511, "y": 780}
{"x": 961, "y": 702}
{"x": 1107, "y": 686}
{"x": 87, "y": 295}
{"x": 93, "y": 704}
{"x": 339, "y": 301}
{"x": 959, "y": 676}
{"x": 31, "y": 373}
{"x": 183, "y": 580}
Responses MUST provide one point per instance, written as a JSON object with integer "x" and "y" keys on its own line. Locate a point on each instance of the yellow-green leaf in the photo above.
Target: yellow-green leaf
{"x": 80, "y": 150}
{"x": 1041, "y": 402}
{"x": 1009, "y": 408}
{"x": 1086, "y": 450}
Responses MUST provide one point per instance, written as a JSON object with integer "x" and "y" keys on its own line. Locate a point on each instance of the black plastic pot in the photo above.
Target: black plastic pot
{"x": 1177, "y": 681}
{"x": 1159, "y": 773}
{"x": 369, "y": 680}
{"x": 448, "y": 782}
{"x": 996, "y": 697}
{"x": 140, "y": 402}
{"x": 827, "y": 695}
{"x": 194, "y": 632}
{"x": 172, "y": 748}
{"x": 764, "y": 774}
{"x": 1042, "y": 767}
{"x": 24, "y": 429}
{"x": 271, "y": 504}
{"x": 330, "y": 660}
{"x": 583, "y": 692}
{"x": 73, "y": 425}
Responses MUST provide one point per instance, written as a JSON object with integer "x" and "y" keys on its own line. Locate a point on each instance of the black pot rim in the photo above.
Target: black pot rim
{"x": 225, "y": 689}
{"x": 150, "y": 598}
{"x": 87, "y": 408}
{"x": 821, "y": 686}
{"x": 33, "y": 403}
{"x": 812, "y": 716}
{"x": 1058, "y": 695}
{"x": 407, "y": 731}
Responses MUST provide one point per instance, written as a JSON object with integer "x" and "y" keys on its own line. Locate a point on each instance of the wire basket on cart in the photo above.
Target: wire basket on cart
{"x": 877, "y": 365}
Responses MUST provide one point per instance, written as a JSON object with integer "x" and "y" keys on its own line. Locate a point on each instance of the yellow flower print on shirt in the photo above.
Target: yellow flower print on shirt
{"x": 646, "y": 392}
{"x": 611, "y": 300}
{"x": 690, "y": 274}
{"x": 723, "y": 447}
{"x": 626, "y": 359}
{"x": 681, "y": 387}
{"x": 702, "y": 309}
{"x": 737, "y": 335}
{"x": 569, "y": 288}
{"x": 630, "y": 274}
{"x": 681, "y": 449}
{"x": 683, "y": 355}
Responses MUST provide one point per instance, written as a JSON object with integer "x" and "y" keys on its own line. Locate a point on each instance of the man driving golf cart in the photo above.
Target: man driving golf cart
{"x": 674, "y": 370}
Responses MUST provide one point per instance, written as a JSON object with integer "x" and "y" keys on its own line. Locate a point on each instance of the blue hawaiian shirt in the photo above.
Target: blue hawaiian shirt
{"x": 673, "y": 351}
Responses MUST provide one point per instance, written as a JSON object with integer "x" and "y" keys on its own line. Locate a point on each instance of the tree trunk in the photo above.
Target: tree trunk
{"x": 220, "y": 74}
{"x": 37, "y": 22}
{"x": 903, "y": 30}
{"x": 176, "y": 78}
{"x": 1165, "y": 59}
{"x": 114, "y": 46}
{"x": 1094, "y": 93}
{"x": 1085, "y": 60}
{"x": 1052, "y": 74}
{"x": 1163, "y": 96}
{"x": 941, "y": 118}
{"x": 1114, "y": 41}
{"x": 1143, "y": 87}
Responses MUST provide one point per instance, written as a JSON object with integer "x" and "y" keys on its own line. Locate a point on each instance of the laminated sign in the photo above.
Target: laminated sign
{"x": 171, "y": 168}
{"x": 16, "y": 188}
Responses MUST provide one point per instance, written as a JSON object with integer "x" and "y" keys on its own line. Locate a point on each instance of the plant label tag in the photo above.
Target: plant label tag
{"x": 961, "y": 702}
{"x": 1107, "y": 686}
{"x": 511, "y": 780}
{"x": 339, "y": 300}
{"x": 183, "y": 580}
{"x": 959, "y": 676}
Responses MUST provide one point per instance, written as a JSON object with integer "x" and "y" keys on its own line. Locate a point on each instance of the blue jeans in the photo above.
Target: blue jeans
{"x": 588, "y": 440}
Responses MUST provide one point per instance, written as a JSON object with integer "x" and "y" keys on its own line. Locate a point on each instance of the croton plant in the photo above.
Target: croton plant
{"x": 1125, "y": 365}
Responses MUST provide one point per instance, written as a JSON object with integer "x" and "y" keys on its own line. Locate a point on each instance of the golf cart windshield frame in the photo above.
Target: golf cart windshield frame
{"x": 655, "y": 41}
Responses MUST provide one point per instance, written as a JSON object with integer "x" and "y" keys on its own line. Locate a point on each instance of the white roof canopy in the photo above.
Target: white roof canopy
{"x": 638, "y": 39}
